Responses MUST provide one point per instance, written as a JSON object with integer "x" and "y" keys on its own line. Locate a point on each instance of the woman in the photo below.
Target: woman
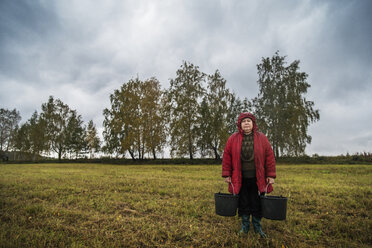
{"x": 248, "y": 166}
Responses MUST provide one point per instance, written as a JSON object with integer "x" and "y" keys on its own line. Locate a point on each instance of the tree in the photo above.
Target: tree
{"x": 214, "y": 114}
{"x": 184, "y": 97}
{"x": 92, "y": 140}
{"x": 20, "y": 140}
{"x": 135, "y": 122}
{"x": 75, "y": 134}
{"x": 111, "y": 135}
{"x": 30, "y": 137}
{"x": 36, "y": 135}
{"x": 153, "y": 117}
{"x": 57, "y": 117}
{"x": 126, "y": 121}
{"x": 283, "y": 113}
{"x": 9, "y": 120}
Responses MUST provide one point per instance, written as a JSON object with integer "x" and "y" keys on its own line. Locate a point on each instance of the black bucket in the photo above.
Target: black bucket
{"x": 274, "y": 207}
{"x": 226, "y": 204}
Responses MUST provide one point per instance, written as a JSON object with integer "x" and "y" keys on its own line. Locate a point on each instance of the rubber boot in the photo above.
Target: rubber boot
{"x": 245, "y": 224}
{"x": 257, "y": 226}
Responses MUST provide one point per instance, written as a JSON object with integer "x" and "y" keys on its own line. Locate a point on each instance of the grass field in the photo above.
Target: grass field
{"x": 88, "y": 205}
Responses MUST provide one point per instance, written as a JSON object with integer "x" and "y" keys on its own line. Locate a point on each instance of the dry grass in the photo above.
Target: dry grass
{"x": 85, "y": 205}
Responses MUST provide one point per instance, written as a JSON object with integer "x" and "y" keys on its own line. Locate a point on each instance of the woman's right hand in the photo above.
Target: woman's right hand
{"x": 227, "y": 179}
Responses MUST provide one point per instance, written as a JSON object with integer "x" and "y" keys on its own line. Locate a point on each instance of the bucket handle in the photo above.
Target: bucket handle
{"x": 233, "y": 188}
{"x": 267, "y": 185}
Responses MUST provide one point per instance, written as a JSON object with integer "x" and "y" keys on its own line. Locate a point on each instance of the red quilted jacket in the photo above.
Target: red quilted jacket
{"x": 263, "y": 156}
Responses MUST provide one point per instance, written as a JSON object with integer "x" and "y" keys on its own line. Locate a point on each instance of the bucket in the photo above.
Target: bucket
{"x": 274, "y": 207}
{"x": 226, "y": 204}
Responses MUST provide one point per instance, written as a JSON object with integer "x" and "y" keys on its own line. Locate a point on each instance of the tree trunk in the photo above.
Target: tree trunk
{"x": 131, "y": 154}
{"x": 276, "y": 151}
{"x": 190, "y": 150}
{"x": 154, "y": 153}
{"x": 216, "y": 155}
{"x": 190, "y": 144}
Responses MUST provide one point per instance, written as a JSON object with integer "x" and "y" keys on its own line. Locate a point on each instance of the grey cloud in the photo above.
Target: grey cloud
{"x": 345, "y": 53}
{"x": 24, "y": 27}
{"x": 23, "y": 21}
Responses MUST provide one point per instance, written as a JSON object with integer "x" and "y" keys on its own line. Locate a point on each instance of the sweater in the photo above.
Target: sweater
{"x": 247, "y": 157}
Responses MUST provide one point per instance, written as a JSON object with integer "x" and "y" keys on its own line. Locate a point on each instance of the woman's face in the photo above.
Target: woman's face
{"x": 247, "y": 125}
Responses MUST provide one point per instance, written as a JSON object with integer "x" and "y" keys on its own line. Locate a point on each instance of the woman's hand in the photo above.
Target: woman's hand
{"x": 270, "y": 180}
{"x": 227, "y": 179}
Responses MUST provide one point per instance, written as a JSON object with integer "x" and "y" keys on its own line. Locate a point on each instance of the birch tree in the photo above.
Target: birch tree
{"x": 283, "y": 111}
{"x": 184, "y": 97}
{"x": 9, "y": 120}
{"x": 91, "y": 138}
{"x": 135, "y": 122}
{"x": 214, "y": 114}
{"x": 153, "y": 117}
{"x": 56, "y": 116}
{"x": 75, "y": 134}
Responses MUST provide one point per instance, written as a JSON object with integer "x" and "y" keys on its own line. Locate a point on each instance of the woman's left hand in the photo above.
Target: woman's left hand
{"x": 270, "y": 180}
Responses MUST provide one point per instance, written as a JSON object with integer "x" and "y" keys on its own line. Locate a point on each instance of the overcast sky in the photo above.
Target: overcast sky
{"x": 81, "y": 51}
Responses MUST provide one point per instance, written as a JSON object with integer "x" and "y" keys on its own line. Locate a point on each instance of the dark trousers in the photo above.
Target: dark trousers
{"x": 249, "y": 199}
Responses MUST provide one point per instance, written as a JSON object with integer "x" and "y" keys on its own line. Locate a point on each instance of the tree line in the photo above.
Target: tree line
{"x": 57, "y": 129}
{"x": 193, "y": 117}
